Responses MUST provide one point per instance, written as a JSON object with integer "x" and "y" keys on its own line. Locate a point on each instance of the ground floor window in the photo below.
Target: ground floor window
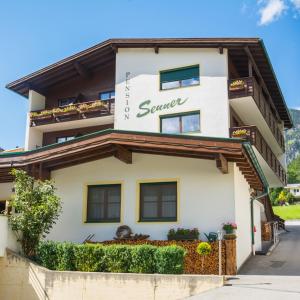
{"x": 104, "y": 203}
{"x": 180, "y": 123}
{"x": 158, "y": 201}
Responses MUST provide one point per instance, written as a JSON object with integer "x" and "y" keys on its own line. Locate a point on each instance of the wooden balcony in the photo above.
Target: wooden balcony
{"x": 78, "y": 111}
{"x": 252, "y": 134}
{"x": 248, "y": 86}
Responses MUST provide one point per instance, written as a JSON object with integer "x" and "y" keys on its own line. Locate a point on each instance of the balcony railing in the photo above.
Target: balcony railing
{"x": 248, "y": 86}
{"x": 78, "y": 111}
{"x": 252, "y": 134}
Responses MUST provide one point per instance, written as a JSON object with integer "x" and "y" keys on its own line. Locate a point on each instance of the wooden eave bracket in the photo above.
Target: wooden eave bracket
{"x": 222, "y": 163}
{"x": 123, "y": 154}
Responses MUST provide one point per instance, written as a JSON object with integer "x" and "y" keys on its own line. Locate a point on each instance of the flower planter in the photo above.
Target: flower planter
{"x": 41, "y": 118}
{"x": 229, "y": 236}
{"x": 183, "y": 237}
{"x": 65, "y": 113}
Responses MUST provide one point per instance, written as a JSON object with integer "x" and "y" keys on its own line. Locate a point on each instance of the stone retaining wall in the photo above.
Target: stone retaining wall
{"x": 23, "y": 280}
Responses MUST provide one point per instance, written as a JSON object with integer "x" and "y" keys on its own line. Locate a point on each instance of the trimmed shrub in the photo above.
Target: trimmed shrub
{"x": 170, "y": 259}
{"x": 204, "y": 248}
{"x": 143, "y": 259}
{"x": 65, "y": 257}
{"x": 118, "y": 258}
{"x": 89, "y": 258}
{"x": 47, "y": 254}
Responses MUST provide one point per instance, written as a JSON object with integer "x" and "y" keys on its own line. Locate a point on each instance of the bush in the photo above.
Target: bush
{"x": 143, "y": 259}
{"x": 169, "y": 259}
{"x": 204, "y": 249}
{"x": 47, "y": 254}
{"x": 118, "y": 258}
{"x": 65, "y": 257}
{"x": 89, "y": 258}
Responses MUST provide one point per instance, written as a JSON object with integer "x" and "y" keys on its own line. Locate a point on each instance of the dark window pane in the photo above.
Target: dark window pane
{"x": 158, "y": 201}
{"x": 104, "y": 203}
{"x": 191, "y": 123}
{"x": 170, "y": 125}
{"x": 66, "y": 101}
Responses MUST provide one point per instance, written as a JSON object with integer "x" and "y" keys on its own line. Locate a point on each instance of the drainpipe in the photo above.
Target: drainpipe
{"x": 252, "y": 199}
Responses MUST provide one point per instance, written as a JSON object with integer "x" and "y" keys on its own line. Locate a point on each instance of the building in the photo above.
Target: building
{"x": 294, "y": 189}
{"x": 156, "y": 134}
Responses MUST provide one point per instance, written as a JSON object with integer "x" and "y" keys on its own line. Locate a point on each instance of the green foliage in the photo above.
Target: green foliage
{"x": 182, "y": 232}
{"x": 170, "y": 259}
{"x": 292, "y": 137}
{"x": 65, "y": 257}
{"x": 143, "y": 259}
{"x": 280, "y": 196}
{"x": 47, "y": 254}
{"x": 89, "y": 258}
{"x": 118, "y": 258}
{"x": 294, "y": 170}
{"x": 113, "y": 258}
{"x": 274, "y": 193}
{"x": 204, "y": 248}
{"x": 38, "y": 208}
{"x": 291, "y": 212}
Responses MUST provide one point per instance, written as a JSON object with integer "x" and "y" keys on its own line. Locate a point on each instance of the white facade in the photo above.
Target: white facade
{"x": 137, "y": 80}
{"x": 294, "y": 189}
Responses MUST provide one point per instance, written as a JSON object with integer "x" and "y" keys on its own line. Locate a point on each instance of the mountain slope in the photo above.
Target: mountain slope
{"x": 292, "y": 137}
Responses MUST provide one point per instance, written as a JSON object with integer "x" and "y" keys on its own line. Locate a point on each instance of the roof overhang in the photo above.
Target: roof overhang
{"x": 122, "y": 144}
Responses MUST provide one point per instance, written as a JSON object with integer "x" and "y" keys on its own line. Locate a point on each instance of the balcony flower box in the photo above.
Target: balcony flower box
{"x": 41, "y": 116}
{"x": 182, "y": 234}
{"x": 93, "y": 107}
{"x": 237, "y": 85}
{"x": 65, "y": 111}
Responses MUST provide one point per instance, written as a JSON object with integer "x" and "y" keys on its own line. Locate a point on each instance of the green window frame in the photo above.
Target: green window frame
{"x": 98, "y": 209}
{"x": 180, "y": 77}
{"x": 164, "y": 201}
{"x": 181, "y": 118}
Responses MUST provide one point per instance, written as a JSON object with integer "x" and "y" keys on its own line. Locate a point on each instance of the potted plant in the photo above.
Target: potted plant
{"x": 203, "y": 249}
{"x": 229, "y": 227}
{"x": 181, "y": 234}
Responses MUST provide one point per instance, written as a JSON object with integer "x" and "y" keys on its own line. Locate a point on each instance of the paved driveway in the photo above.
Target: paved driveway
{"x": 276, "y": 276}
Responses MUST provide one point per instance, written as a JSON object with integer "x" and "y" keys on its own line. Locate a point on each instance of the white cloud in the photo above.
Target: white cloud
{"x": 296, "y": 4}
{"x": 271, "y": 10}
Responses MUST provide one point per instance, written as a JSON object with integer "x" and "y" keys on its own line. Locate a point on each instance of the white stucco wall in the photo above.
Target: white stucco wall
{"x": 242, "y": 216}
{"x": 258, "y": 210}
{"x": 205, "y": 195}
{"x": 6, "y": 190}
{"x": 210, "y": 97}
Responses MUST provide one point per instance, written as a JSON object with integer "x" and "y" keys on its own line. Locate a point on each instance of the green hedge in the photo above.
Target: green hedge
{"x": 111, "y": 258}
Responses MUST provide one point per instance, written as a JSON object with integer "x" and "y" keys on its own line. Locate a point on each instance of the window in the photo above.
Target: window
{"x": 181, "y": 77}
{"x": 158, "y": 201}
{"x": 64, "y": 139}
{"x": 107, "y": 95}
{"x": 104, "y": 203}
{"x": 180, "y": 123}
{"x": 66, "y": 101}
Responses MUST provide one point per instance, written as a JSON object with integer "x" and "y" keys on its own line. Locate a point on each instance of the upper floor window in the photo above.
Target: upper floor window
{"x": 104, "y": 203}
{"x": 64, "y": 139}
{"x": 180, "y": 123}
{"x": 107, "y": 95}
{"x": 66, "y": 101}
{"x": 181, "y": 77}
{"x": 158, "y": 201}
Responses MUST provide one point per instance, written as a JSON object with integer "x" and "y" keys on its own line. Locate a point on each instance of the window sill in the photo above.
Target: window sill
{"x": 102, "y": 222}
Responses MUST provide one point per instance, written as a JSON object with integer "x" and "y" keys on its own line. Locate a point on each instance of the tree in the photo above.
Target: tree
{"x": 294, "y": 171}
{"x": 36, "y": 210}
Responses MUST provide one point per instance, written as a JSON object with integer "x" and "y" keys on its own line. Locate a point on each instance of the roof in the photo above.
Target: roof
{"x": 103, "y": 54}
{"x": 122, "y": 144}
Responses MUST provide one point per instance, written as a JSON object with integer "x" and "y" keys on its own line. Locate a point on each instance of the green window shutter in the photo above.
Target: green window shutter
{"x": 179, "y": 74}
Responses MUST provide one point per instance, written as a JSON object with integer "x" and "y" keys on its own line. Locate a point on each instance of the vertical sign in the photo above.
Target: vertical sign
{"x": 127, "y": 96}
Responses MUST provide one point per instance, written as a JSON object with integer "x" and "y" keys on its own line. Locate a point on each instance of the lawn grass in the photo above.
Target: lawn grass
{"x": 288, "y": 212}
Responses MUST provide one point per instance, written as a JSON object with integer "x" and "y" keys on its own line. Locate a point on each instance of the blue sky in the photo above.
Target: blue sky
{"x": 37, "y": 33}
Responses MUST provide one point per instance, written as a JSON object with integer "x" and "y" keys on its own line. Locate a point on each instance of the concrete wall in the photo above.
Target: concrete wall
{"x": 142, "y": 68}
{"x": 242, "y": 216}
{"x": 206, "y": 196}
{"x": 22, "y": 280}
